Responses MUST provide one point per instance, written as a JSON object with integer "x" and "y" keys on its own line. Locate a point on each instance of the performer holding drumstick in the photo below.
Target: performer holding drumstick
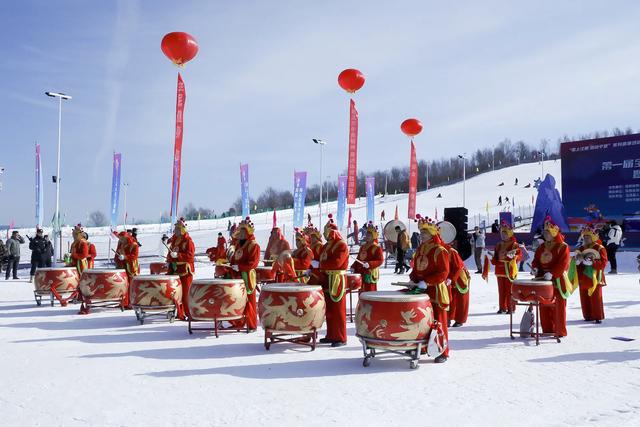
{"x": 181, "y": 259}
{"x": 244, "y": 261}
{"x": 506, "y": 256}
{"x": 370, "y": 257}
{"x": 302, "y": 256}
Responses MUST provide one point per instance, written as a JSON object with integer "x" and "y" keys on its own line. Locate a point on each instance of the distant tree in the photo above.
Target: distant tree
{"x": 97, "y": 219}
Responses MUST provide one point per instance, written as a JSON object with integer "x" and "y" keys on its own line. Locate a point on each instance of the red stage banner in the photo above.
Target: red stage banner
{"x": 181, "y": 98}
{"x": 413, "y": 182}
{"x": 352, "y": 169}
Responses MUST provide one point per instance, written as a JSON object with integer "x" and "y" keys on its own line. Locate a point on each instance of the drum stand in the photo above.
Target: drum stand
{"x": 351, "y": 314}
{"x": 307, "y": 339}
{"x": 144, "y": 311}
{"x": 217, "y": 325}
{"x": 106, "y": 303}
{"x": 39, "y": 294}
{"x": 537, "y": 334}
{"x": 370, "y": 350}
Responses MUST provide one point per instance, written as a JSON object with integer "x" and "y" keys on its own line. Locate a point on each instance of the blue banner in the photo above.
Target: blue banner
{"x": 299, "y": 194}
{"x": 244, "y": 189}
{"x": 371, "y": 192}
{"x": 39, "y": 189}
{"x": 115, "y": 189}
{"x": 342, "y": 200}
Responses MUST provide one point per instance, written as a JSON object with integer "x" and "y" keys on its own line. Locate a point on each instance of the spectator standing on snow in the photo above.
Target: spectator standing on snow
{"x": 13, "y": 254}
{"x": 477, "y": 240}
{"x": 614, "y": 237}
{"x": 38, "y": 248}
{"x": 402, "y": 245}
{"x": 48, "y": 251}
{"x": 3, "y": 254}
{"x": 525, "y": 255}
{"x": 516, "y": 181}
{"x": 499, "y": 200}
{"x": 495, "y": 227}
{"x": 415, "y": 240}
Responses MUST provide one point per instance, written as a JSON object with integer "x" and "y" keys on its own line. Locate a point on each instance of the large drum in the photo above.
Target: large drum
{"x": 291, "y": 307}
{"x": 532, "y": 290}
{"x": 388, "y": 316}
{"x": 354, "y": 282}
{"x": 51, "y": 281}
{"x": 158, "y": 267}
{"x": 104, "y": 287}
{"x": 217, "y": 299}
{"x": 265, "y": 274}
{"x": 155, "y": 295}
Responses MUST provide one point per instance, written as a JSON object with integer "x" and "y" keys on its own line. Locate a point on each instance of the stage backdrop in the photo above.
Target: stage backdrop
{"x": 601, "y": 178}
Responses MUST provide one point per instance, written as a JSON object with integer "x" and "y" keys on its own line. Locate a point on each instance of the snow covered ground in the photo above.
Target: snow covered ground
{"x": 59, "y": 368}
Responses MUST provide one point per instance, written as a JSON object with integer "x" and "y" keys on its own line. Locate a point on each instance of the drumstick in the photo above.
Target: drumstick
{"x": 358, "y": 261}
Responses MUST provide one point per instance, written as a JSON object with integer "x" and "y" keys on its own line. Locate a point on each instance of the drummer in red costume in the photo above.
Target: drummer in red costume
{"x": 218, "y": 252}
{"x": 302, "y": 256}
{"x": 550, "y": 263}
{"x": 126, "y": 258}
{"x": 244, "y": 261}
{"x": 315, "y": 241}
{"x": 430, "y": 272}
{"x": 506, "y": 256}
{"x": 181, "y": 259}
{"x": 458, "y": 282}
{"x": 590, "y": 260}
{"x": 334, "y": 261}
{"x": 79, "y": 250}
{"x": 277, "y": 244}
{"x": 370, "y": 258}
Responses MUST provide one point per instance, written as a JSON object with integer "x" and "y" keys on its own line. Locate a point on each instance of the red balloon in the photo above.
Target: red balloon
{"x": 411, "y": 127}
{"x": 179, "y": 47}
{"x": 351, "y": 80}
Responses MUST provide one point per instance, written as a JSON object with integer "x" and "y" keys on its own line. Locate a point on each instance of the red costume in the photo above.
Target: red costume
{"x": 246, "y": 258}
{"x": 126, "y": 258}
{"x": 431, "y": 265}
{"x": 218, "y": 252}
{"x": 590, "y": 261}
{"x": 93, "y": 254}
{"x": 334, "y": 261}
{"x": 79, "y": 250}
{"x": 459, "y": 278}
{"x": 302, "y": 256}
{"x": 276, "y": 245}
{"x": 506, "y": 256}
{"x": 372, "y": 256}
{"x": 315, "y": 241}
{"x": 284, "y": 269}
{"x": 553, "y": 257}
{"x": 182, "y": 264}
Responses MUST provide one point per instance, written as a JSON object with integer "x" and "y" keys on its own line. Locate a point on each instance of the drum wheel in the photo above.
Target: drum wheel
{"x": 367, "y": 361}
{"x": 136, "y": 311}
{"x": 413, "y": 364}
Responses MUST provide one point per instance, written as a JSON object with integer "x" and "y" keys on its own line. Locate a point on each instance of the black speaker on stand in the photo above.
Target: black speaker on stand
{"x": 459, "y": 218}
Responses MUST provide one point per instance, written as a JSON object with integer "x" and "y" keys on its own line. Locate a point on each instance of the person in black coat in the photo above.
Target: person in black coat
{"x": 38, "y": 248}
{"x": 48, "y": 251}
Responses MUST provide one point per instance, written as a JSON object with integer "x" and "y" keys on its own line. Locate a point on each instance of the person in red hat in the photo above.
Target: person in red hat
{"x": 277, "y": 244}
{"x": 370, "y": 258}
{"x": 243, "y": 262}
{"x": 93, "y": 254}
{"x": 218, "y": 252}
{"x": 430, "y": 272}
{"x": 302, "y": 256}
{"x": 330, "y": 273}
{"x": 284, "y": 268}
{"x": 458, "y": 282}
{"x": 590, "y": 260}
{"x": 315, "y": 241}
{"x": 126, "y": 258}
{"x": 79, "y": 250}
{"x": 506, "y": 256}
{"x": 550, "y": 263}
{"x": 180, "y": 260}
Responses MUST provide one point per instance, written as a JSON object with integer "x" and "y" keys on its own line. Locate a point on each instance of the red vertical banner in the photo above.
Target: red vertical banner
{"x": 181, "y": 98}
{"x": 352, "y": 169}
{"x": 413, "y": 182}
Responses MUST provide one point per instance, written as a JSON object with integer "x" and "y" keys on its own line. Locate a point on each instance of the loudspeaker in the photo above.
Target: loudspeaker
{"x": 459, "y": 218}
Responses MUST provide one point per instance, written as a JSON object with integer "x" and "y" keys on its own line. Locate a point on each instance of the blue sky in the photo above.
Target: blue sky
{"x": 264, "y": 84}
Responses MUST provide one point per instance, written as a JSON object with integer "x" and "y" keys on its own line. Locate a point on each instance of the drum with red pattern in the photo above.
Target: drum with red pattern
{"x": 265, "y": 274}
{"x": 63, "y": 279}
{"x": 156, "y": 290}
{"x": 532, "y": 290}
{"x": 158, "y": 267}
{"x": 102, "y": 284}
{"x": 354, "y": 281}
{"x": 394, "y": 316}
{"x": 291, "y": 307}
{"x": 217, "y": 299}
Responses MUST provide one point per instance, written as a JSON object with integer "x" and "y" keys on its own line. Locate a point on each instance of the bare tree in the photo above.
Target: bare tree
{"x": 97, "y": 219}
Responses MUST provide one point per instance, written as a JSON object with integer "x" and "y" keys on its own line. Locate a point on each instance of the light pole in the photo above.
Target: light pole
{"x": 322, "y": 144}
{"x": 464, "y": 177}
{"x": 542, "y": 165}
{"x": 125, "y": 185}
{"x": 57, "y": 232}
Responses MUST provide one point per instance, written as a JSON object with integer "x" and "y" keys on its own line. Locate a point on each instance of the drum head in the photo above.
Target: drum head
{"x": 218, "y": 282}
{"x": 151, "y": 277}
{"x": 392, "y": 296}
{"x": 103, "y": 270}
{"x": 389, "y": 230}
{"x": 592, "y": 253}
{"x": 532, "y": 282}
{"x": 447, "y": 231}
{"x": 290, "y": 287}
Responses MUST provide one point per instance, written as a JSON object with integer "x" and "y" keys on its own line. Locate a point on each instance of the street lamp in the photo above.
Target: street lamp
{"x": 464, "y": 177}
{"x": 322, "y": 144}
{"x": 56, "y": 223}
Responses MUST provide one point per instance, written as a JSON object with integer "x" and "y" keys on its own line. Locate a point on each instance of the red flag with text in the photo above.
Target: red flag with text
{"x": 413, "y": 182}
{"x": 181, "y": 97}
{"x": 352, "y": 169}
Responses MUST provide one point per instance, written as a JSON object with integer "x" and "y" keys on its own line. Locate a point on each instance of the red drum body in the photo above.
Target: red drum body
{"x": 354, "y": 282}
{"x": 265, "y": 274}
{"x": 217, "y": 299}
{"x": 155, "y": 290}
{"x": 291, "y": 307}
{"x": 159, "y": 268}
{"x": 532, "y": 290}
{"x": 63, "y": 280}
{"x": 393, "y": 316}
{"x": 104, "y": 284}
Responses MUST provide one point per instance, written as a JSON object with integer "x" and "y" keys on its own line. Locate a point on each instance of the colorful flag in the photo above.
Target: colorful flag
{"x": 352, "y": 167}
{"x": 39, "y": 189}
{"x": 115, "y": 189}
{"x": 413, "y": 182}
{"x": 181, "y": 98}
{"x": 299, "y": 195}
{"x": 342, "y": 200}
{"x": 244, "y": 189}
{"x": 370, "y": 185}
